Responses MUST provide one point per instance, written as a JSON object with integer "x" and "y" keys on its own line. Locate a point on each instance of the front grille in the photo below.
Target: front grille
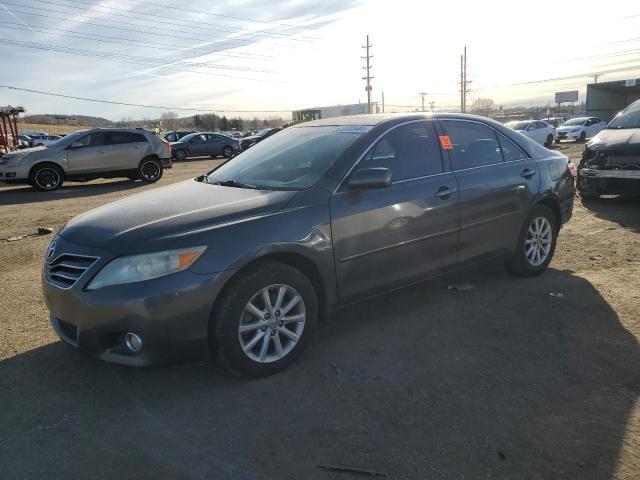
{"x": 66, "y": 269}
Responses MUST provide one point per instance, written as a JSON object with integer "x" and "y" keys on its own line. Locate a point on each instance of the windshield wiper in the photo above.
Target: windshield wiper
{"x": 234, "y": 183}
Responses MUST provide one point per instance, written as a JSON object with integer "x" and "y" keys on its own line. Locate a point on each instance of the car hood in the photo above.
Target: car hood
{"x": 24, "y": 151}
{"x": 154, "y": 219}
{"x": 617, "y": 140}
{"x": 569, "y": 128}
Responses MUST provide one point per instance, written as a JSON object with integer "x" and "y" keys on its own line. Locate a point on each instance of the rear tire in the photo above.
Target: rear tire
{"x": 583, "y": 137}
{"x": 536, "y": 243}
{"x": 235, "y": 339}
{"x": 150, "y": 170}
{"x": 180, "y": 154}
{"x": 227, "y": 152}
{"x": 549, "y": 141}
{"x": 46, "y": 177}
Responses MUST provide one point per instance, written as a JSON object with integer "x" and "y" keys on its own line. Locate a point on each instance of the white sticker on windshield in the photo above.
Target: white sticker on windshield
{"x": 353, "y": 129}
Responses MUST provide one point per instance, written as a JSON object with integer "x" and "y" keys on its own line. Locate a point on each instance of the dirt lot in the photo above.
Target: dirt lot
{"x": 505, "y": 381}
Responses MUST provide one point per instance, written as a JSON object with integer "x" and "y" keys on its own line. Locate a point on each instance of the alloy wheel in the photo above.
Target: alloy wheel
{"x": 537, "y": 243}
{"x": 150, "y": 170}
{"x": 271, "y": 323}
{"x": 47, "y": 178}
{"x": 227, "y": 152}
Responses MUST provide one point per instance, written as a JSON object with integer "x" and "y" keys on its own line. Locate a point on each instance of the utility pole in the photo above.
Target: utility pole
{"x": 596, "y": 76}
{"x": 368, "y": 68}
{"x": 464, "y": 83}
{"x": 382, "y": 102}
{"x": 423, "y": 94}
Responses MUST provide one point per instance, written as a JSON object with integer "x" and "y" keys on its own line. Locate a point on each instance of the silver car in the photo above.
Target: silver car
{"x": 89, "y": 154}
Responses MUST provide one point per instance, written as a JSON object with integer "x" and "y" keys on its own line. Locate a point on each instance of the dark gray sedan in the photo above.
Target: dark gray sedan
{"x": 204, "y": 143}
{"x": 245, "y": 260}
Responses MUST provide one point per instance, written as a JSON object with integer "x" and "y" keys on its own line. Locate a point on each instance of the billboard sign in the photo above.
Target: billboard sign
{"x": 631, "y": 82}
{"x": 567, "y": 97}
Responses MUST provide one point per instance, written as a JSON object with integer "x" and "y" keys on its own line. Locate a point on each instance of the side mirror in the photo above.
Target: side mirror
{"x": 75, "y": 145}
{"x": 370, "y": 178}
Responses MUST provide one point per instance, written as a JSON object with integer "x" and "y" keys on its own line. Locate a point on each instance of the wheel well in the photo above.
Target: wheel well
{"x": 300, "y": 262}
{"x": 152, "y": 156}
{"x": 553, "y": 206}
{"x": 46, "y": 163}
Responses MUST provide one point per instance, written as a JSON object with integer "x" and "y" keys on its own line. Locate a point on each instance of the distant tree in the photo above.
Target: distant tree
{"x": 237, "y": 124}
{"x": 483, "y": 106}
{"x": 224, "y": 123}
{"x": 169, "y": 120}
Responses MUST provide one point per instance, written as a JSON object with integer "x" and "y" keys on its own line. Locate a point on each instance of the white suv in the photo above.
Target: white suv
{"x": 89, "y": 154}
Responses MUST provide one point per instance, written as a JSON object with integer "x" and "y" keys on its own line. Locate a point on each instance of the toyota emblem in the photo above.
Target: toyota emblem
{"x": 51, "y": 251}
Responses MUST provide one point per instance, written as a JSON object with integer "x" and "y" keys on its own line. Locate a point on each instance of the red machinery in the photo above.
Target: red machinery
{"x": 9, "y": 127}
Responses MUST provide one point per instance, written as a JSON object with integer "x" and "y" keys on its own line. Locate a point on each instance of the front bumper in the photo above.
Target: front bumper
{"x": 567, "y": 136}
{"x": 170, "y": 314}
{"x": 14, "y": 173}
{"x": 594, "y": 181}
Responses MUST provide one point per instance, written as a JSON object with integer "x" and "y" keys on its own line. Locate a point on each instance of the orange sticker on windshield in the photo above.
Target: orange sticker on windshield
{"x": 445, "y": 141}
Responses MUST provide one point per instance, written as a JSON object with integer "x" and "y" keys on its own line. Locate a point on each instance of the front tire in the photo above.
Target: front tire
{"x": 583, "y": 137}
{"x": 150, "y": 170}
{"x": 549, "y": 141}
{"x": 46, "y": 177}
{"x": 263, "y": 320}
{"x": 536, "y": 243}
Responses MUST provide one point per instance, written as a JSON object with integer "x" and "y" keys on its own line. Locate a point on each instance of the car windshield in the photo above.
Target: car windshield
{"x": 574, "y": 122}
{"x": 295, "y": 159}
{"x": 262, "y": 133}
{"x": 628, "y": 118}
{"x": 72, "y": 137}
{"x": 518, "y": 125}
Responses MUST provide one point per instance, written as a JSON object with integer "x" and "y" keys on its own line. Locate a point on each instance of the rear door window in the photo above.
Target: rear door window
{"x": 510, "y": 151}
{"x": 474, "y": 144}
{"x": 409, "y": 151}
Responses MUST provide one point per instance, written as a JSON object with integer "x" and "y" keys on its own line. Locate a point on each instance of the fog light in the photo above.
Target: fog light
{"x": 133, "y": 342}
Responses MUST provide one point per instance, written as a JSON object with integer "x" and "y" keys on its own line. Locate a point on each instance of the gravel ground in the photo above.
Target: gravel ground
{"x": 504, "y": 381}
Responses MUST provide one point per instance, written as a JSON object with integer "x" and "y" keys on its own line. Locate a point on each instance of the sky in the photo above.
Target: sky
{"x": 267, "y": 58}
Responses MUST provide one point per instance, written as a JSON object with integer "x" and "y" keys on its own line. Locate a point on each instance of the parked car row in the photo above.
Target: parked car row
{"x": 577, "y": 129}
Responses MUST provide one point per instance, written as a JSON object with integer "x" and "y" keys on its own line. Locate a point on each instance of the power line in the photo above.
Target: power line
{"x": 111, "y": 102}
{"x": 218, "y": 27}
{"x": 154, "y": 31}
{"x": 153, "y": 62}
{"x": 127, "y": 41}
{"x": 226, "y": 16}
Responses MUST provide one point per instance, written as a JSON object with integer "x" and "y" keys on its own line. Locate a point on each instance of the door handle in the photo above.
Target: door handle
{"x": 101, "y": 152}
{"x": 526, "y": 173}
{"x": 445, "y": 192}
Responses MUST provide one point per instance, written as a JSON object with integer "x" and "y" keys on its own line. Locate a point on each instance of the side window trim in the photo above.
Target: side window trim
{"x": 341, "y": 183}
{"x": 495, "y": 132}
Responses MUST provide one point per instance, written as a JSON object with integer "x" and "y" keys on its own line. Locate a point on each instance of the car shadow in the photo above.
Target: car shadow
{"x": 499, "y": 381}
{"x": 625, "y": 211}
{"x": 26, "y": 194}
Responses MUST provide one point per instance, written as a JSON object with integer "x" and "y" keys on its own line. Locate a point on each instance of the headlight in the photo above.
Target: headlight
{"x": 15, "y": 159}
{"x": 136, "y": 268}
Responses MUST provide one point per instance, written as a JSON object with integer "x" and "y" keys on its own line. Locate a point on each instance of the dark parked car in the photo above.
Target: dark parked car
{"x": 205, "y": 143}
{"x": 258, "y": 137}
{"x": 611, "y": 160}
{"x": 246, "y": 258}
{"x": 174, "y": 136}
